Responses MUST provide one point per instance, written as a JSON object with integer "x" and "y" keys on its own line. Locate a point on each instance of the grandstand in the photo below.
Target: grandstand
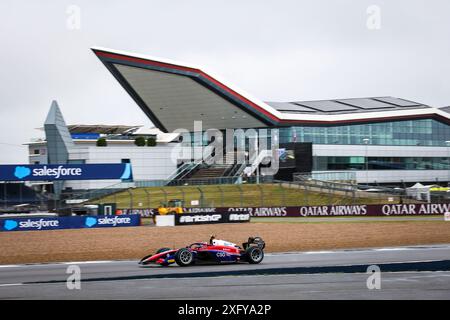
{"x": 19, "y": 197}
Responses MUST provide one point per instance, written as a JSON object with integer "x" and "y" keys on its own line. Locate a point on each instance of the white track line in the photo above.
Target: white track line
{"x": 11, "y": 284}
{"x": 394, "y": 249}
{"x": 319, "y": 252}
{"x": 88, "y": 262}
{"x": 12, "y": 265}
{"x": 59, "y": 263}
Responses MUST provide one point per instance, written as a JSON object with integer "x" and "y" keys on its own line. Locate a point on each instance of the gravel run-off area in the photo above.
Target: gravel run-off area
{"x": 135, "y": 242}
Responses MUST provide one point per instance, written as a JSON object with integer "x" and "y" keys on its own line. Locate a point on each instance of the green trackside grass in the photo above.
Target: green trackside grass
{"x": 263, "y": 195}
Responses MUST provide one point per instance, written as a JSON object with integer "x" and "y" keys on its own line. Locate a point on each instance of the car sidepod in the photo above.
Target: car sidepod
{"x": 224, "y": 256}
{"x": 218, "y": 254}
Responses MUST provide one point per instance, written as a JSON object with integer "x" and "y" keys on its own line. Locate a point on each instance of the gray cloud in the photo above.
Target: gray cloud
{"x": 275, "y": 50}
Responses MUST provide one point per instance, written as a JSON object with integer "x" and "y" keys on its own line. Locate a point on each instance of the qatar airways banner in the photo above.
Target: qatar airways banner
{"x": 23, "y": 172}
{"x": 346, "y": 210}
{"x": 421, "y": 209}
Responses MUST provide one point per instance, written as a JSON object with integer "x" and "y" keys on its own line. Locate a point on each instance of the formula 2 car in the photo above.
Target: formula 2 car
{"x": 216, "y": 251}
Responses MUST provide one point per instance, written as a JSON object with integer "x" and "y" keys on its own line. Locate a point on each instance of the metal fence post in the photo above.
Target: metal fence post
{"x": 165, "y": 195}
{"x": 201, "y": 196}
{"x": 261, "y": 192}
{"x": 131, "y": 198}
{"x": 182, "y": 193}
{"x": 306, "y": 195}
{"x": 148, "y": 197}
{"x": 4, "y": 194}
{"x": 221, "y": 195}
{"x": 283, "y": 195}
{"x": 241, "y": 195}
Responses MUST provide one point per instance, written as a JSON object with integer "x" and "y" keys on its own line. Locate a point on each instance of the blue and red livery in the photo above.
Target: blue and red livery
{"x": 216, "y": 251}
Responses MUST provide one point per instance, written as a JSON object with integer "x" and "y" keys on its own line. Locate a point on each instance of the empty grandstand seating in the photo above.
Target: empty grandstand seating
{"x": 17, "y": 193}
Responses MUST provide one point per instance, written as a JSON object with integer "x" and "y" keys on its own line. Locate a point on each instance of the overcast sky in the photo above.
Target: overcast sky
{"x": 275, "y": 50}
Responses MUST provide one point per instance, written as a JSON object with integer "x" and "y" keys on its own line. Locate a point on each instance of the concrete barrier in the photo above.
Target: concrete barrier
{"x": 165, "y": 221}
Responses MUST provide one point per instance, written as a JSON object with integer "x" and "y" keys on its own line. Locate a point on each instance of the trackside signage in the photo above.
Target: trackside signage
{"x": 210, "y": 218}
{"x": 344, "y": 210}
{"x": 77, "y": 222}
{"x": 418, "y": 209}
{"x": 22, "y": 172}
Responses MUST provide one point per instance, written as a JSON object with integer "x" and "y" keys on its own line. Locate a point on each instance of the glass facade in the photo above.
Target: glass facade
{"x": 424, "y": 132}
{"x": 381, "y": 163}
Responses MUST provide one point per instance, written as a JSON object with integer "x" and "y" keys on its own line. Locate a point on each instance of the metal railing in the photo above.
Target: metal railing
{"x": 202, "y": 181}
{"x": 183, "y": 170}
{"x": 361, "y": 191}
{"x": 263, "y": 154}
{"x": 224, "y": 192}
{"x": 342, "y": 176}
{"x": 239, "y": 191}
{"x": 96, "y": 193}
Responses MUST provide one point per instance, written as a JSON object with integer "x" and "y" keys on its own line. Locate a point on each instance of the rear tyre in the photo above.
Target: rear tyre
{"x": 162, "y": 250}
{"x": 254, "y": 255}
{"x": 184, "y": 257}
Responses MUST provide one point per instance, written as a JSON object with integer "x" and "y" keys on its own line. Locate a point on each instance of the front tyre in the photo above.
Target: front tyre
{"x": 184, "y": 257}
{"x": 254, "y": 255}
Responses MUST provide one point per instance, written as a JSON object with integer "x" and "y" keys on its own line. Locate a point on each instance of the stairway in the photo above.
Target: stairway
{"x": 200, "y": 172}
{"x": 213, "y": 171}
{"x": 233, "y": 157}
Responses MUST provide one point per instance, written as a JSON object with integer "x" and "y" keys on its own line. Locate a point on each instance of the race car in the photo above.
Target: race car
{"x": 216, "y": 251}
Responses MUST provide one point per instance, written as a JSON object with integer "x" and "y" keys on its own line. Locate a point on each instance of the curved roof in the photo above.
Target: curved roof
{"x": 174, "y": 95}
{"x": 347, "y": 106}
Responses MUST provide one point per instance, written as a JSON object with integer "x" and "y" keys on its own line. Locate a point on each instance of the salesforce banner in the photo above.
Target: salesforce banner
{"x": 77, "y": 222}
{"x": 23, "y": 172}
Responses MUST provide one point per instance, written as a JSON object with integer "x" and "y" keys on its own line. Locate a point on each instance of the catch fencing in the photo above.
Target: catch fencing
{"x": 264, "y": 194}
{"x": 262, "y": 191}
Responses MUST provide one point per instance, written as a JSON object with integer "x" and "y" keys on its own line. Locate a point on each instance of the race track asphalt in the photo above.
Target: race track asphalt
{"x": 417, "y": 272}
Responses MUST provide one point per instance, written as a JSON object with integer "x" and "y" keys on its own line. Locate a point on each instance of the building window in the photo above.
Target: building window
{"x": 76, "y": 161}
{"x": 381, "y": 163}
{"x": 36, "y": 151}
{"x": 425, "y": 132}
{"x": 36, "y": 162}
